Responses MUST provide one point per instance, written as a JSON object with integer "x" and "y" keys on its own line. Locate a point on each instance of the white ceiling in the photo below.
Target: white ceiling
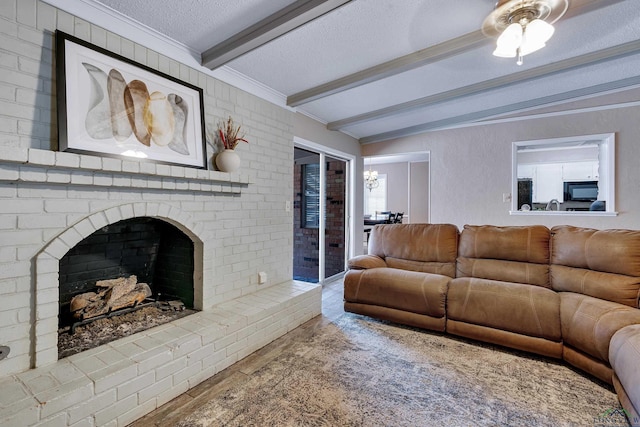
{"x": 381, "y": 69}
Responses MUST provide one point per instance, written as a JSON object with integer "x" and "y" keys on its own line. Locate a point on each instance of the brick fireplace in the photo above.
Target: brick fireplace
{"x": 61, "y": 201}
{"x": 50, "y": 201}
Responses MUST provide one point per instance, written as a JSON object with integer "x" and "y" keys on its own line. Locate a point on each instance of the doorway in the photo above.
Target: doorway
{"x": 320, "y": 215}
{"x": 403, "y": 187}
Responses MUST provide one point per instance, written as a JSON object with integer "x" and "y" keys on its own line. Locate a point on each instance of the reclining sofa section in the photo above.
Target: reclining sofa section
{"x": 405, "y": 276}
{"x": 502, "y": 293}
{"x": 569, "y": 292}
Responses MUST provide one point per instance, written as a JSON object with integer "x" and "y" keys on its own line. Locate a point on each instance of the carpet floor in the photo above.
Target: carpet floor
{"x": 357, "y": 371}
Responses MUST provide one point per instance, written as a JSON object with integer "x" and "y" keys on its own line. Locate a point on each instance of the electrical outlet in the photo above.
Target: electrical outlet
{"x": 287, "y": 206}
{"x": 262, "y": 278}
{"x": 506, "y": 197}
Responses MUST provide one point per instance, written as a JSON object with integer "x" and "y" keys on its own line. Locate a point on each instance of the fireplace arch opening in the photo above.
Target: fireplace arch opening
{"x": 132, "y": 265}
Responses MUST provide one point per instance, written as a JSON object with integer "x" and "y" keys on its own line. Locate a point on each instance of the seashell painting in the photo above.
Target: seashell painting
{"x": 97, "y": 122}
{"x": 136, "y": 97}
{"x": 180, "y": 114}
{"x": 158, "y": 118}
{"x": 120, "y": 125}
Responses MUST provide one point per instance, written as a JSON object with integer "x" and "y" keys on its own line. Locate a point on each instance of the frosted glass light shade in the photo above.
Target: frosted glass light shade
{"x": 509, "y": 41}
{"x": 538, "y": 32}
{"x": 516, "y": 40}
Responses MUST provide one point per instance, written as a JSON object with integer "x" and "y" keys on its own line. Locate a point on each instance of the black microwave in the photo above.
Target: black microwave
{"x": 580, "y": 191}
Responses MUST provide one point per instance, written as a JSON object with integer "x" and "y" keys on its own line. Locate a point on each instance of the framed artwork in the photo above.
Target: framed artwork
{"x": 109, "y": 105}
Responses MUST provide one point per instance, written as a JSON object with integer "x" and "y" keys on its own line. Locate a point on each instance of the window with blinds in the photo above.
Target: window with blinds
{"x": 311, "y": 195}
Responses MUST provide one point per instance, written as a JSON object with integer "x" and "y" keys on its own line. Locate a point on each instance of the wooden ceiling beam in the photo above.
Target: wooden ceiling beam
{"x": 486, "y": 115}
{"x": 277, "y": 24}
{"x": 404, "y": 63}
{"x": 421, "y": 58}
{"x": 542, "y": 71}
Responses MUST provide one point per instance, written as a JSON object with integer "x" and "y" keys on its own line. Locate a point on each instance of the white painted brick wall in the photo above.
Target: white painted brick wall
{"x": 49, "y": 200}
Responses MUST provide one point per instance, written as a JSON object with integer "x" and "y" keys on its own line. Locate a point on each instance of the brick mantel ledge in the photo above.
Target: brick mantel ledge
{"x": 45, "y": 166}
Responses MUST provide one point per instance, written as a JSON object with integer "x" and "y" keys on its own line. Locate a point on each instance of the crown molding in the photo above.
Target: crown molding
{"x": 117, "y": 23}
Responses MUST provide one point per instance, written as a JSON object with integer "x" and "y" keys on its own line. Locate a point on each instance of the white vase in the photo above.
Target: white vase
{"x": 228, "y": 161}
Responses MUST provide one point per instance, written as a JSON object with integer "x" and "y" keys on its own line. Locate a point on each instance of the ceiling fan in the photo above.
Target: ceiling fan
{"x": 522, "y": 26}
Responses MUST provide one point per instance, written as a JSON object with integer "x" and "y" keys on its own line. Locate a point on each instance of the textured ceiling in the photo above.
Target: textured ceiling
{"x": 338, "y": 57}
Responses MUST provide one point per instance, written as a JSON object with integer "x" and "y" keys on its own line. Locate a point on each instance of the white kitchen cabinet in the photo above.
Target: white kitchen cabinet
{"x": 548, "y": 178}
{"x": 580, "y": 171}
{"x": 526, "y": 171}
{"x": 547, "y": 183}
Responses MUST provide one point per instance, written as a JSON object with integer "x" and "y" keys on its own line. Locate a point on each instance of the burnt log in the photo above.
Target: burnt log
{"x": 139, "y": 293}
{"x": 114, "y": 294}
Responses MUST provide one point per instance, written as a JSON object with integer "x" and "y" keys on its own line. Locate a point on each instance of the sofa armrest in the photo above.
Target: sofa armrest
{"x": 624, "y": 353}
{"x": 364, "y": 262}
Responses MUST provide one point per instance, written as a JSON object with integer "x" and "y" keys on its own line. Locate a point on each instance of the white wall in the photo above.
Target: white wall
{"x": 397, "y": 185}
{"x": 314, "y": 131}
{"x": 419, "y": 192}
{"x": 471, "y": 167}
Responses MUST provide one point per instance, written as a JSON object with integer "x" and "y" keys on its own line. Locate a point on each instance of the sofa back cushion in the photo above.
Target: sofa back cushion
{"x": 600, "y": 263}
{"x": 430, "y": 248}
{"x": 509, "y": 254}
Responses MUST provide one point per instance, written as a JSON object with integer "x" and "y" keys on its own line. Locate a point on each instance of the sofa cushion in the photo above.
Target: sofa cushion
{"x": 430, "y": 248}
{"x": 589, "y": 323}
{"x": 509, "y": 254}
{"x": 514, "y": 307}
{"x": 624, "y": 354}
{"x": 600, "y": 263}
{"x": 607, "y": 286}
{"x": 504, "y": 271}
{"x": 422, "y": 293}
{"x": 611, "y": 251}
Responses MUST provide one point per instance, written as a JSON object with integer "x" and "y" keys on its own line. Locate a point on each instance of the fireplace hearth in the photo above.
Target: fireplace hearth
{"x": 94, "y": 332}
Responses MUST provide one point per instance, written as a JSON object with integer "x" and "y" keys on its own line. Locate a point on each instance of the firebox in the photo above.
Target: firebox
{"x": 153, "y": 251}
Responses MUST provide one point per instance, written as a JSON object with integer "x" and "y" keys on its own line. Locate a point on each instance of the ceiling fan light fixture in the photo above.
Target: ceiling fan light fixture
{"x": 528, "y": 48}
{"x": 505, "y": 53}
{"x": 509, "y": 41}
{"x": 539, "y": 31}
{"x": 523, "y": 26}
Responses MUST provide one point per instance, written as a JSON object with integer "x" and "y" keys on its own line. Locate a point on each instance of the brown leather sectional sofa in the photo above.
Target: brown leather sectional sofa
{"x": 567, "y": 292}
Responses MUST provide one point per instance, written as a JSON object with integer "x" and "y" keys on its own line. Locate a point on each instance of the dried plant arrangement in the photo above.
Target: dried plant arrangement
{"x": 230, "y": 134}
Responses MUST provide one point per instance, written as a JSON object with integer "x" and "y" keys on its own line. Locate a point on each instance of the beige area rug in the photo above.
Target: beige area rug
{"x": 362, "y": 372}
